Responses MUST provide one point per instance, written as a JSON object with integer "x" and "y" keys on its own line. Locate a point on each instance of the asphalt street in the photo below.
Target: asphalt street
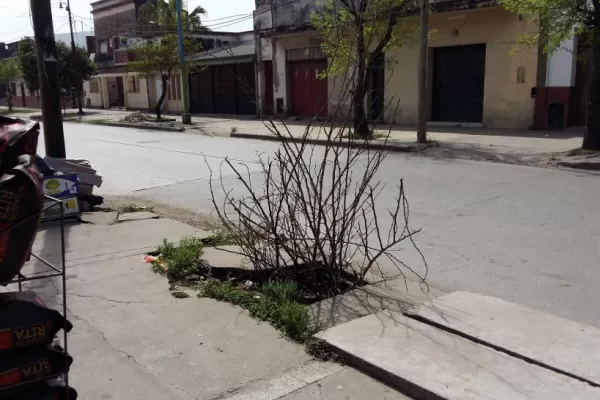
{"x": 524, "y": 234}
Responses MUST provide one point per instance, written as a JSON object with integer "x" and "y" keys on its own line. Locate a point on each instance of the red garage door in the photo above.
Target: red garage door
{"x": 309, "y": 91}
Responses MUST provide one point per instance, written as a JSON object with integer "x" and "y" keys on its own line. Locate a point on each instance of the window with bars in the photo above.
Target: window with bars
{"x": 174, "y": 92}
{"x": 134, "y": 84}
{"x": 308, "y": 53}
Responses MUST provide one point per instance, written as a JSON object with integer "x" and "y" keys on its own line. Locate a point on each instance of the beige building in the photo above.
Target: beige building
{"x": 478, "y": 73}
{"x": 132, "y": 92}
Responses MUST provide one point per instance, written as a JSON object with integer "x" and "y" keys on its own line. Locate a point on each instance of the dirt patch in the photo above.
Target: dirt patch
{"x": 314, "y": 281}
{"x": 577, "y": 159}
{"x": 197, "y": 220}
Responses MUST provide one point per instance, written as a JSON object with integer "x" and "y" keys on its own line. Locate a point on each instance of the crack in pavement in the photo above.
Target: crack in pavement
{"x": 132, "y": 358}
{"x": 72, "y": 315}
{"x": 90, "y": 296}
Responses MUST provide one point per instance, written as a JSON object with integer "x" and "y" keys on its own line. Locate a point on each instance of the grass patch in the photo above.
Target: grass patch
{"x": 179, "y": 260}
{"x": 4, "y": 111}
{"x": 132, "y": 208}
{"x": 97, "y": 121}
{"x": 374, "y": 135}
{"x": 278, "y": 301}
{"x": 219, "y": 239}
{"x": 582, "y": 152}
{"x": 274, "y": 302}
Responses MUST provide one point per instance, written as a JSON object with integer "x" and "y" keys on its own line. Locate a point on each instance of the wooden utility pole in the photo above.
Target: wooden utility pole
{"x": 47, "y": 63}
{"x": 76, "y": 72}
{"x": 422, "y": 80}
{"x": 185, "y": 115}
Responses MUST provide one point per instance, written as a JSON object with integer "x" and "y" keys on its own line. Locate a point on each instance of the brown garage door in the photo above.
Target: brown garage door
{"x": 309, "y": 91}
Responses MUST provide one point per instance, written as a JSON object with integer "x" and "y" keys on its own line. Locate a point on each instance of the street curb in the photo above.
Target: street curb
{"x": 393, "y": 147}
{"x": 394, "y": 381}
{"x": 585, "y": 165}
{"x": 146, "y": 127}
{"x": 117, "y": 124}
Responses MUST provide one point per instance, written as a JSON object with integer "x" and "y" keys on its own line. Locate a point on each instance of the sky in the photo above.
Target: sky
{"x": 222, "y": 15}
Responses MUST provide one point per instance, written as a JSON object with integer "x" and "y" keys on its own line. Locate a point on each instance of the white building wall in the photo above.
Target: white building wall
{"x": 561, "y": 65}
{"x": 279, "y": 74}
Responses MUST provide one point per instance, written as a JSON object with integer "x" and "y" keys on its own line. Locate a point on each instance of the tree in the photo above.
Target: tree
{"x": 71, "y": 69}
{"x": 9, "y": 73}
{"x": 162, "y": 18}
{"x": 160, "y": 57}
{"x": 355, "y": 33}
{"x": 27, "y": 59}
{"x": 559, "y": 20}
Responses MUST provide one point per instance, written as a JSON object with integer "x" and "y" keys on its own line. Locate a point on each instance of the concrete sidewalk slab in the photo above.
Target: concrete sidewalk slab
{"x": 543, "y": 338}
{"x": 348, "y": 384}
{"x": 87, "y": 242}
{"x": 396, "y": 295}
{"x": 133, "y": 341}
{"x": 137, "y": 216}
{"x": 428, "y": 363}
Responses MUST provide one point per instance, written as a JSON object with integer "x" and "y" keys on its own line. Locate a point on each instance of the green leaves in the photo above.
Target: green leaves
{"x": 72, "y": 68}
{"x": 27, "y": 59}
{"x": 9, "y": 70}
{"x": 342, "y": 24}
{"x": 162, "y": 18}
{"x": 160, "y": 56}
{"x": 557, "y": 20}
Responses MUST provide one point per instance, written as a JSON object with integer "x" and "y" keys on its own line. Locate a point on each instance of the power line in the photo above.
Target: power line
{"x": 232, "y": 20}
{"x": 132, "y": 26}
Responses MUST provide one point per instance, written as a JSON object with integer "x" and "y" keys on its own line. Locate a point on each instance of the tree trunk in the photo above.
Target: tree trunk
{"x": 9, "y": 100}
{"x": 591, "y": 139}
{"x": 361, "y": 125}
{"x": 164, "y": 79}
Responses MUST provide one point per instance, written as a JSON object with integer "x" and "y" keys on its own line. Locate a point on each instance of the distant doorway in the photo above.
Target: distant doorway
{"x": 458, "y": 83}
{"x": 377, "y": 86}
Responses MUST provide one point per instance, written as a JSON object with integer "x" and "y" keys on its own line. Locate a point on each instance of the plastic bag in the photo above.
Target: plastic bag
{"x": 21, "y": 200}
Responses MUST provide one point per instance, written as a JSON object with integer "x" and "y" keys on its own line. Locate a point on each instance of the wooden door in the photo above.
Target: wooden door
{"x": 268, "y": 104}
{"x": 309, "y": 91}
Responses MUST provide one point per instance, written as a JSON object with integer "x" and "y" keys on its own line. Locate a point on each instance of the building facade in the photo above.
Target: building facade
{"x": 223, "y": 83}
{"x": 116, "y": 32}
{"x": 478, "y": 74}
{"x": 22, "y": 97}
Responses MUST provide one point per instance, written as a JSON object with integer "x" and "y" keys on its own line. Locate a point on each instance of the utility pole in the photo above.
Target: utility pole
{"x": 186, "y": 118}
{"x": 47, "y": 64}
{"x": 78, "y": 82}
{"x": 422, "y": 79}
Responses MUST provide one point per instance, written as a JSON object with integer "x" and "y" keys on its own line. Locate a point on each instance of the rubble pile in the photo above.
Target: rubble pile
{"x": 137, "y": 117}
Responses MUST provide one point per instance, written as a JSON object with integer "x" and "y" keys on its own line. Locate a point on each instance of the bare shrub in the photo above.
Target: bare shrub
{"x": 315, "y": 210}
{"x": 312, "y": 216}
